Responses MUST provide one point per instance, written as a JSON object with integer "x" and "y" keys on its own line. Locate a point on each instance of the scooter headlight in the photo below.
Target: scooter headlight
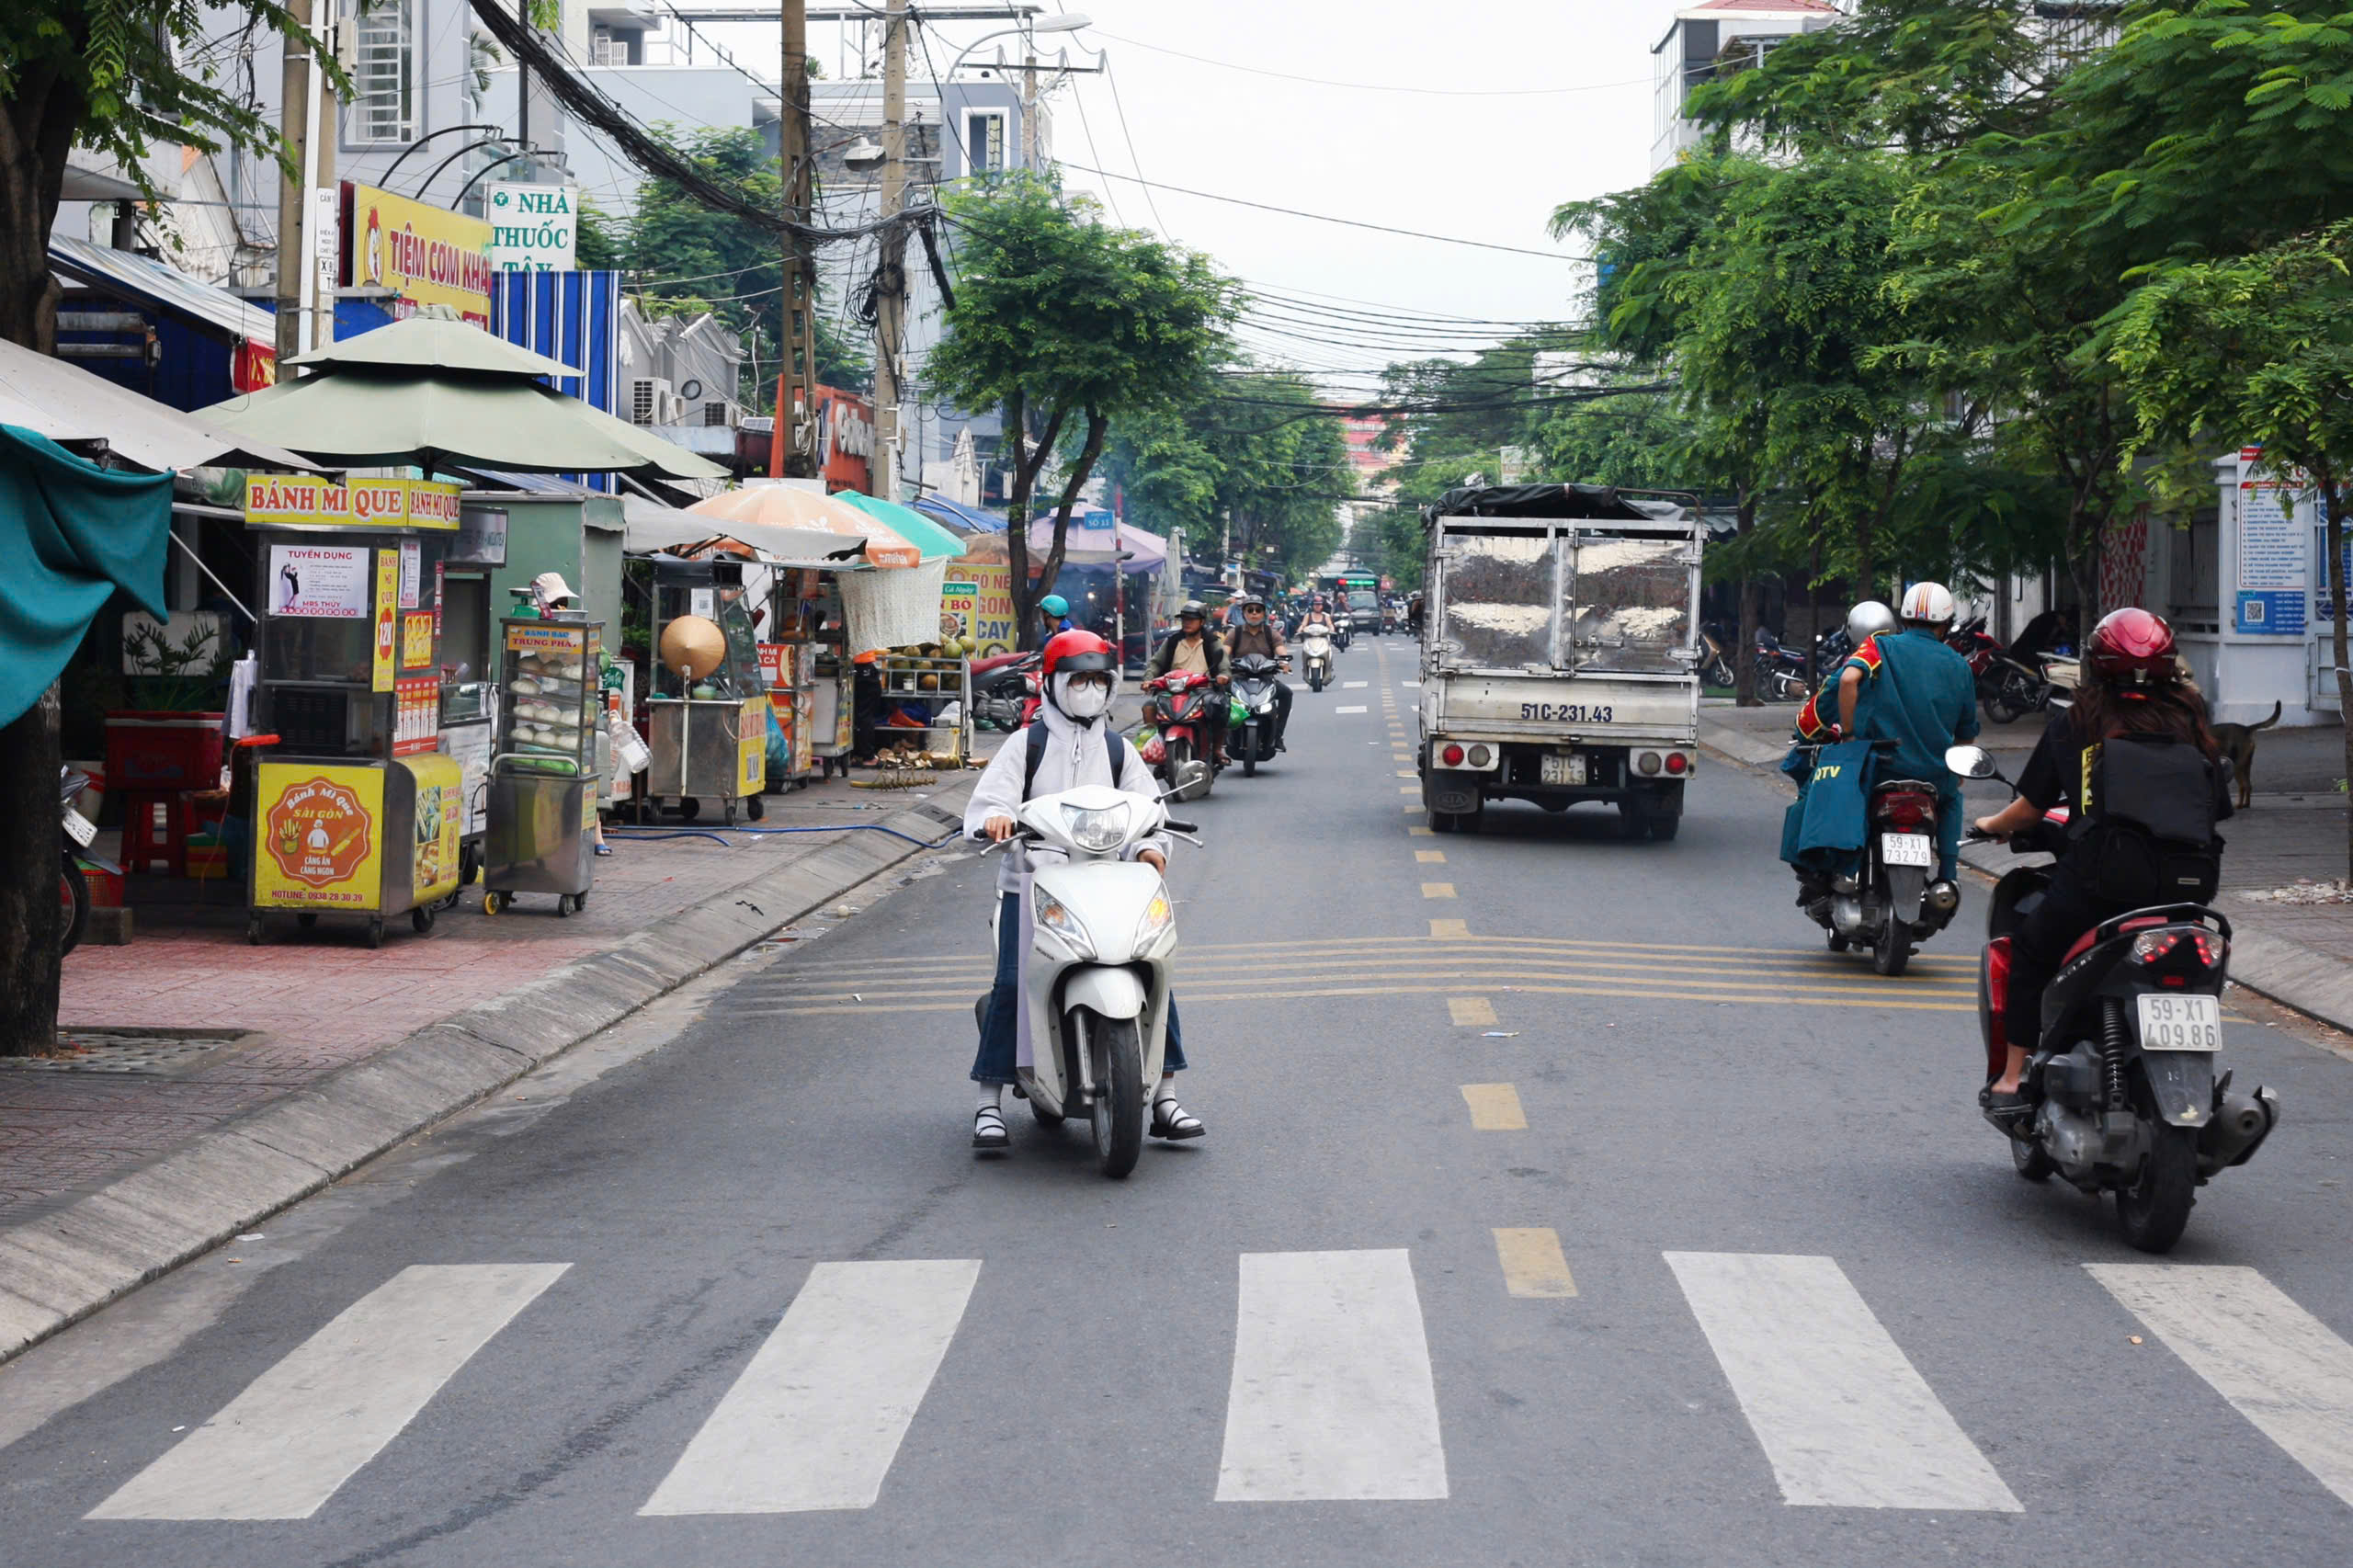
{"x": 1099, "y": 831}
{"x": 1157, "y": 918}
{"x": 1050, "y": 916}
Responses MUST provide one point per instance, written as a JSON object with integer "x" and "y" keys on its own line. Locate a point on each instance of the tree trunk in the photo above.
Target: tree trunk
{"x": 29, "y": 853}
{"x": 2332, "y": 498}
{"x": 1752, "y": 607}
{"x": 1027, "y": 462}
{"x": 1097, "y": 426}
{"x": 38, "y": 122}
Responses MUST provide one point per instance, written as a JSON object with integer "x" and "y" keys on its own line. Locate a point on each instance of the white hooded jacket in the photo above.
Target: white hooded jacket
{"x": 1075, "y": 754}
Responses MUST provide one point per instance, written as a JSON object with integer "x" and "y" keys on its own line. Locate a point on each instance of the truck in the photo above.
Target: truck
{"x": 1558, "y": 656}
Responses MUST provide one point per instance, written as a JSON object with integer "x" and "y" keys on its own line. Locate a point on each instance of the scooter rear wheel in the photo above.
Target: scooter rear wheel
{"x": 1116, "y": 1058}
{"x": 1892, "y": 951}
{"x": 2154, "y": 1209}
{"x": 2032, "y": 1164}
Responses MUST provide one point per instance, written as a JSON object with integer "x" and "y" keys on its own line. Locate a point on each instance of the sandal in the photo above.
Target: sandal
{"x": 988, "y": 1128}
{"x": 2003, "y": 1108}
{"x": 1172, "y": 1121}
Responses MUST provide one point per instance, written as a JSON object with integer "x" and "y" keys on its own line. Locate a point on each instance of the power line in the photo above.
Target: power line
{"x": 1133, "y": 162}
{"x": 1380, "y": 86}
{"x": 1326, "y": 217}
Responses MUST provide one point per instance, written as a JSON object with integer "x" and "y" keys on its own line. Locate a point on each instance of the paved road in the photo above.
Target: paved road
{"x": 1563, "y": 1202}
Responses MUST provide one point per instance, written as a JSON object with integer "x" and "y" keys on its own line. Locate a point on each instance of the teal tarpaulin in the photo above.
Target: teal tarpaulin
{"x": 71, "y": 533}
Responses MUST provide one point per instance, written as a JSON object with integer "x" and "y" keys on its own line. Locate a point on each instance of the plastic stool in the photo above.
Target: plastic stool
{"x": 154, "y": 827}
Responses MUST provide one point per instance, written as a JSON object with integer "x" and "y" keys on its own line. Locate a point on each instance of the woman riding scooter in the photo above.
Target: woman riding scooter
{"x": 2136, "y": 738}
{"x": 1077, "y": 675}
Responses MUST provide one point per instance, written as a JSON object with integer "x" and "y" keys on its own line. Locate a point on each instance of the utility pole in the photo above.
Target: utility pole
{"x": 523, "y": 92}
{"x": 792, "y": 448}
{"x": 327, "y": 203}
{"x": 293, "y": 195}
{"x": 890, "y": 272}
{"x": 1028, "y": 104}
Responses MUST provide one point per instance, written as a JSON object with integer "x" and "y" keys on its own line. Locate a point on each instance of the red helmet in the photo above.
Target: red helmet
{"x": 1069, "y": 653}
{"x": 2133, "y": 646}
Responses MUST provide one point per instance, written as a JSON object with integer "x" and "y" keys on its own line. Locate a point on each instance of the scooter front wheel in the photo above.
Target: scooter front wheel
{"x": 1115, "y": 1049}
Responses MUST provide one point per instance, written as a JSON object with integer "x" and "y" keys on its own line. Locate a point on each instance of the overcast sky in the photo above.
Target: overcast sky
{"x": 1490, "y": 166}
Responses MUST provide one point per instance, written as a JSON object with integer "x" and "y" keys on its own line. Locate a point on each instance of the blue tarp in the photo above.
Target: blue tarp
{"x": 71, "y": 533}
{"x": 955, "y": 515}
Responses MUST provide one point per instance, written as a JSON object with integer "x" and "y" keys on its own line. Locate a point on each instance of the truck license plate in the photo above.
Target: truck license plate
{"x": 1905, "y": 849}
{"x": 1563, "y": 767}
{"x": 2180, "y": 1022}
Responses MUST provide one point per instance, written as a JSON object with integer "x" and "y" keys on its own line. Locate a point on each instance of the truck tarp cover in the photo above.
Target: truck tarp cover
{"x": 1594, "y": 502}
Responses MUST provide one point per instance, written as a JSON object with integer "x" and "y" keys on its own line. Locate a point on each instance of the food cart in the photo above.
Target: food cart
{"x": 543, "y": 781}
{"x": 355, "y": 811}
{"x": 708, "y": 709}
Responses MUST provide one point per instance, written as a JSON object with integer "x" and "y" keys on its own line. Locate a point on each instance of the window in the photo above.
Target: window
{"x": 984, "y": 142}
{"x": 383, "y": 107}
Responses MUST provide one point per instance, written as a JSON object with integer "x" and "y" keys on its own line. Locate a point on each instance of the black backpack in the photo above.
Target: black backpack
{"x": 2150, "y": 836}
{"x": 1037, "y": 742}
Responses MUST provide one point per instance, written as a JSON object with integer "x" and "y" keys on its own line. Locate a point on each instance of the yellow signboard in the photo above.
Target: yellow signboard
{"x": 319, "y": 840}
{"x": 417, "y": 639}
{"x": 440, "y": 813}
{"x": 752, "y": 746}
{"x": 283, "y": 501}
{"x": 425, "y": 254}
{"x": 387, "y": 609}
{"x": 991, "y": 589}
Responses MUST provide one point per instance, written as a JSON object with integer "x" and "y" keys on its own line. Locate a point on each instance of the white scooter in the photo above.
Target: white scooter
{"x": 1315, "y": 652}
{"x": 1094, "y": 980}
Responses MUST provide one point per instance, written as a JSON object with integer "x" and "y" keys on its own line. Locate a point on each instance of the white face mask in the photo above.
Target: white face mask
{"x": 1086, "y": 699}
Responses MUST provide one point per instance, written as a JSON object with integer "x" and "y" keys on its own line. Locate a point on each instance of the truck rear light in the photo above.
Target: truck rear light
{"x": 1676, "y": 762}
{"x": 1647, "y": 762}
{"x": 1451, "y": 755}
{"x": 1482, "y": 755}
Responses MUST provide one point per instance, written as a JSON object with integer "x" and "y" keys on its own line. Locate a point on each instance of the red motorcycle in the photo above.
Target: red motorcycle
{"x": 1004, "y": 691}
{"x": 1176, "y": 706}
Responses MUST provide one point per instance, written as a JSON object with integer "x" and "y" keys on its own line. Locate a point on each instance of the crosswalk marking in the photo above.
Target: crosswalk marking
{"x": 1495, "y": 1107}
{"x": 1842, "y": 1415}
{"x": 1358, "y": 709}
{"x": 1533, "y": 1265}
{"x": 1354, "y": 684}
{"x": 2279, "y": 1366}
{"x": 280, "y": 1448}
{"x": 1469, "y": 1010}
{"x": 816, "y": 1418}
{"x": 1332, "y": 1397}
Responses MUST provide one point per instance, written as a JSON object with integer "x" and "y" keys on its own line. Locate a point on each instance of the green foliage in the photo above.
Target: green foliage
{"x": 1070, "y": 326}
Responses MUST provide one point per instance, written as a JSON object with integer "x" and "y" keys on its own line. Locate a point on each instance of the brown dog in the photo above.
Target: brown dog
{"x": 2237, "y": 741}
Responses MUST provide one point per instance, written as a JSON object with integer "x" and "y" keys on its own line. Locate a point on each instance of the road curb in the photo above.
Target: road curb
{"x": 2295, "y": 976}
{"x": 66, "y": 1263}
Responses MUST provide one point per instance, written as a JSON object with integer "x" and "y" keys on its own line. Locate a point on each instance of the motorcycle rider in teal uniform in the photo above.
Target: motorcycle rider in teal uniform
{"x": 1911, "y": 687}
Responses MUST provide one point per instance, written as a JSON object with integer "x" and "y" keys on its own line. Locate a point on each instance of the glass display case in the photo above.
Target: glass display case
{"x": 548, "y": 696}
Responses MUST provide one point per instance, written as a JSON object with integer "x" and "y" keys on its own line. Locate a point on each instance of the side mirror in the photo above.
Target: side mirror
{"x": 1972, "y": 762}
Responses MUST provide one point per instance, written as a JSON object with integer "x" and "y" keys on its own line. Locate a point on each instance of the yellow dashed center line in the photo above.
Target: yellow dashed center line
{"x": 1495, "y": 1107}
{"x": 1430, "y": 856}
{"x": 1469, "y": 1010}
{"x": 1438, "y": 890}
{"x": 1533, "y": 1267}
{"x": 1450, "y": 928}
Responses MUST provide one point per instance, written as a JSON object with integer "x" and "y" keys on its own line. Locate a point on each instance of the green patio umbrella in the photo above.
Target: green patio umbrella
{"x": 926, "y": 535}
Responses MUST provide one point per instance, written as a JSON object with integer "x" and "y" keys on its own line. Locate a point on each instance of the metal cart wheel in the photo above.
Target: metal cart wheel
{"x": 564, "y": 905}
{"x": 306, "y": 921}
{"x": 492, "y": 902}
{"x": 375, "y": 930}
{"x": 689, "y": 808}
{"x": 729, "y": 811}
{"x": 422, "y": 918}
{"x": 755, "y": 808}
{"x": 253, "y": 929}
{"x": 580, "y": 901}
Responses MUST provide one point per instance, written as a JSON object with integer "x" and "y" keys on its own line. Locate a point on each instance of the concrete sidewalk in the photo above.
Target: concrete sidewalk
{"x": 2299, "y": 955}
{"x": 211, "y": 1083}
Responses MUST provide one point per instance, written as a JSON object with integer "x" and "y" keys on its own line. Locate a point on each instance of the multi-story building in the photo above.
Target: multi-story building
{"x": 1709, "y": 40}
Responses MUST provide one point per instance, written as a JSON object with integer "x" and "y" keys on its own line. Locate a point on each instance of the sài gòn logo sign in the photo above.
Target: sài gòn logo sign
{"x": 318, "y": 832}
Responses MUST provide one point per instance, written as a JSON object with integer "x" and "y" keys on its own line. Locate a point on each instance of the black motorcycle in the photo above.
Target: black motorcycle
{"x": 1782, "y": 674}
{"x": 2119, "y": 1081}
{"x": 1250, "y": 733}
{"x": 1890, "y": 905}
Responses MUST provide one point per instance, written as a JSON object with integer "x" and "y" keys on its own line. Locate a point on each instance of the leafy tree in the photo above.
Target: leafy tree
{"x": 2261, "y": 346}
{"x": 1068, "y": 325}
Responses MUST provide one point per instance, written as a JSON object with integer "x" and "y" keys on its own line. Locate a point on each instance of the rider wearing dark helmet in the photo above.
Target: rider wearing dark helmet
{"x": 1258, "y": 635}
{"x": 2133, "y": 760}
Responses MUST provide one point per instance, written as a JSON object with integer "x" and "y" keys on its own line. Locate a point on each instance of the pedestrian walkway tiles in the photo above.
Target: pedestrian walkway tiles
{"x": 1335, "y": 1393}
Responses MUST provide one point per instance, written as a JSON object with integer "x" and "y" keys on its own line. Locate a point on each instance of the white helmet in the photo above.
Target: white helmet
{"x": 1928, "y": 604}
{"x": 1867, "y": 620}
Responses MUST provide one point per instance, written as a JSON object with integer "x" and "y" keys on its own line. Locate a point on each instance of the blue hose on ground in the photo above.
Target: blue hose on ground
{"x": 714, "y": 833}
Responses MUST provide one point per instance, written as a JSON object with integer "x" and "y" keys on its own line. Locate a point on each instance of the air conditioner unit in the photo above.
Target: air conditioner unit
{"x": 649, "y": 401}
{"x": 717, "y": 413}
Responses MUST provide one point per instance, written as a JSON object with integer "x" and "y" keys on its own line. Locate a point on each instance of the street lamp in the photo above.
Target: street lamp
{"x": 1061, "y": 22}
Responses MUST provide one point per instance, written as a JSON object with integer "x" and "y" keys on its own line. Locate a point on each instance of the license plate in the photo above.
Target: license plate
{"x": 1563, "y": 767}
{"x": 2180, "y": 1022}
{"x": 80, "y": 829}
{"x": 1905, "y": 849}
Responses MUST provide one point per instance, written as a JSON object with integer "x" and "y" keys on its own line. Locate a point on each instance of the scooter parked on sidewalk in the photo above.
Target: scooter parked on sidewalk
{"x": 1315, "y": 658}
{"x": 1176, "y": 708}
{"x": 1889, "y": 905}
{"x": 1250, "y": 729}
{"x": 1004, "y": 691}
{"x": 1094, "y": 977}
{"x": 2119, "y": 1080}
{"x": 72, "y": 879}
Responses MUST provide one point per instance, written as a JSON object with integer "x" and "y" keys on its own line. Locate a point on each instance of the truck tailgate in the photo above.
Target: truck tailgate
{"x": 1541, "y": 708}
